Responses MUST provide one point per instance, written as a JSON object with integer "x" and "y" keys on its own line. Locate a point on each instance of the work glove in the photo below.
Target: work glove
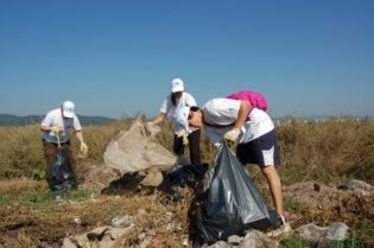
{"x": 232, "y": 135}
{"x": 218, "y": 145}
{"x": 182, "y": 134}
{"x": 152, "y": 128}
{"x": 57, "y": 130}
{"x": 83, "y": 149}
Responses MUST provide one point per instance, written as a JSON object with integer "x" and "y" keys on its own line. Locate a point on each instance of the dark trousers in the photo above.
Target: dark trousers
{"x": 194, "y": 145}
{"x": 50, "y": 151}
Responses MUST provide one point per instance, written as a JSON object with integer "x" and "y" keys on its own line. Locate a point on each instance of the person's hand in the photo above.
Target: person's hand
{"x": 152, "y": 128}
{"x": 84, "y": 149}
{"x": 232, "y": 135}
{"x": 57, "y": 130}
{"x": 182, "y": 134}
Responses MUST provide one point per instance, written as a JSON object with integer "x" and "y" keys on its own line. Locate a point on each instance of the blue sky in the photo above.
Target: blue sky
{"x": 117, "y": 58}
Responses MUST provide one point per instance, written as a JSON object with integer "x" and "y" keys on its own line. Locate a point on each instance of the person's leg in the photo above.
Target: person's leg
{"x": 194, "y": 145}
{"x": 273, "y": 179}
{"x": 71, "y": 159}
{"x": 50, "y": 151}
{"x": 264, "y": 151}
{"x": 178, "y": 147}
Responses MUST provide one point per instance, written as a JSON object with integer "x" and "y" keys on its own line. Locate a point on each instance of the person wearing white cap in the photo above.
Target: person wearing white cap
{"x": 175, "y": 108}
{"x": 56, "y": 127}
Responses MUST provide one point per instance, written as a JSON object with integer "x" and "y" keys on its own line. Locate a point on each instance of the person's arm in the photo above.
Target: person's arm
{"x": 45, "y": 128}
{"x": 83, "y": 146}
{"x": 46, "y": 125}
{"x": 159, "y": 119}
{"x": 234, "y": 133}
{"x": 79, "y": 135}
{"x": 244, "y": 110}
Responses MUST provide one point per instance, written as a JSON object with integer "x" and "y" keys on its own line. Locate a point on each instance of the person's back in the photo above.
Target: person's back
{"x": 220, "y": 115}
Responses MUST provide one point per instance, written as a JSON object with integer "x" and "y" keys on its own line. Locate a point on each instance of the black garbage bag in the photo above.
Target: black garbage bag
{"x": 60, "y": 176}
{"x": 183, "y": 173}
{"x": 231, "y": 202}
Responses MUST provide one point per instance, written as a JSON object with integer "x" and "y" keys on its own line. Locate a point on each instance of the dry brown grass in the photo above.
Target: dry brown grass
{"x": 47, "y": 226}
{"x": 22, "y": 152}
{"x": 327, "y": 151}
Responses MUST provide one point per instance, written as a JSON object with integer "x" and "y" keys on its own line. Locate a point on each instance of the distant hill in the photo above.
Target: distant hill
{"x": 14, "y": 120}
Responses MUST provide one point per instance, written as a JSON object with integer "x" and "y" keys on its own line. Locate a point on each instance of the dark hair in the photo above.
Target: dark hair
{"x": 194, "y": 108}
{"x": 173, "y": 99}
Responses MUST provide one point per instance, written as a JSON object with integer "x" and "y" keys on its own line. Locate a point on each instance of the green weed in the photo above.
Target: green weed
{"x": 4, "y": 199}
{"x": 293, "y": 206}
{"x": 38, "y": 174}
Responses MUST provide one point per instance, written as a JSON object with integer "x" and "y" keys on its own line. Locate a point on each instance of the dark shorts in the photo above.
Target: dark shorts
{"x": 263, "y": 151}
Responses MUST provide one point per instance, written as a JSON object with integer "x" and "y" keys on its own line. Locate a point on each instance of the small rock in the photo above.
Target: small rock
{"x": 77, "y": 221}
{"x": 67, "y": 243}
{"x": 257, "y": 239}
{"x": 313, "y": 233}
{"x": 234, "y": 239}
{"x": 337, "y": 231}
{"x": 122, "y": 221}
{"x": 220, "y": 244}
{"x": 142, "y": 236}
{"x": 152, "y": 179}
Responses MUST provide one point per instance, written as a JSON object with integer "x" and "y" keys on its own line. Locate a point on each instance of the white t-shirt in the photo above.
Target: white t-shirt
{"x": 178, "y": 114}
{"x": 223, "y": 112}
{"x": 55, "y": 118}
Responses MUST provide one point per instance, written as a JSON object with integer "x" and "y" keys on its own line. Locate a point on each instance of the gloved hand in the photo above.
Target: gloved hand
{"x": 152, "y": 128}
{"x": 57, "y": 130}
{"x": 182, "y": 134}
{"x": 232, "y": 135}
{"x": 84, "y": 149}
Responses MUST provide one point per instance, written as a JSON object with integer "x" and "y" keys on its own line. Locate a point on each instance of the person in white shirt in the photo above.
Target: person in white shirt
{"x": 56, "y": 127}
{"x": 175, "y": 108}
{"x": 252, "y": 129}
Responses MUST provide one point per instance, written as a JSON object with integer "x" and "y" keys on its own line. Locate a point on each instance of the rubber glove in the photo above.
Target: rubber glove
{"x": 232, "y": 135}
{"x": 182, "y": 134}
{"x": 84, "y": 149}
{"x": 57, "y": 130}
{"x": 152, "y": 128}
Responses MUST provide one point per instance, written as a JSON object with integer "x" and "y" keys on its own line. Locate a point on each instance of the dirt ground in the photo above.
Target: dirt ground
{"x": 45, "y": 224}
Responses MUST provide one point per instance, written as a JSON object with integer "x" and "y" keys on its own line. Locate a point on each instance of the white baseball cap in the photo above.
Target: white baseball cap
{"x": 177, "y": 85}
{"x": 68, "y": 109}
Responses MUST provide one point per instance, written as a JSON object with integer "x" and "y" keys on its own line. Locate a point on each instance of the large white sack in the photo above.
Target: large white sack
{"x": 135, "y": 150}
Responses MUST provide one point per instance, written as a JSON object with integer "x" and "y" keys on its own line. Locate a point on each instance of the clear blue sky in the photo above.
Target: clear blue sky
{"x": 117, "y": 58}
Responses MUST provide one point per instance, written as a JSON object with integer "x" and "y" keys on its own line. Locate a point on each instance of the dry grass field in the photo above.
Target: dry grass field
{"x": 326, "y": 151}
{"x": 329, "y": 152}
